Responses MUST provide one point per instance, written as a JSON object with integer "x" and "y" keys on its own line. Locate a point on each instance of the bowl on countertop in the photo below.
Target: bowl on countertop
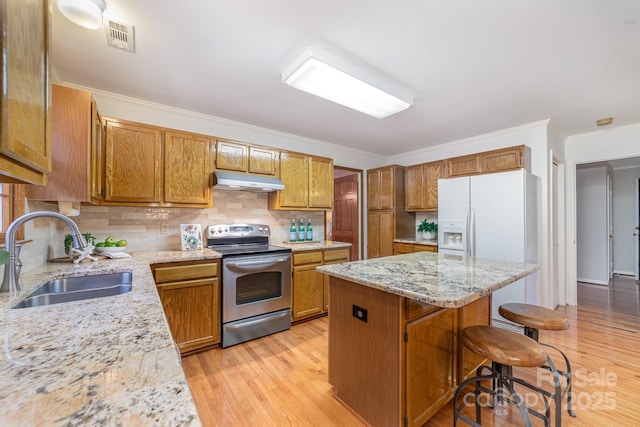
{"x": 109, "y": 249}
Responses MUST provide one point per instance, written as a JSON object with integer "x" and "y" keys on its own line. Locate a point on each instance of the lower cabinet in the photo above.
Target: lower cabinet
{"x": 408, "y": 248}
{"x": 190, "y": 295}
{"x": 310, "y": 296}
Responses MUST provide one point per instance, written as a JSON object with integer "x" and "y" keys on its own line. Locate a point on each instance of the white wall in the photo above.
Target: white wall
{"x": 591, "y": 225}
{"x": 624, "y": 221}
{"x": 607, "y": 144}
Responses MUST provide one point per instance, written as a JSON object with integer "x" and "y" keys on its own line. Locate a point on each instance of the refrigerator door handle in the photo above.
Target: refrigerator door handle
{"x": 467, "y": 247}
{"x": 472, "y": 233}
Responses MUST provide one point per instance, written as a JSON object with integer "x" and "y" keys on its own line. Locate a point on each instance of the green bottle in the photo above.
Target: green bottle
{"x": 293, "y": 231}
{"x": 301, "y": 231}
{"x": 309, "y": 230}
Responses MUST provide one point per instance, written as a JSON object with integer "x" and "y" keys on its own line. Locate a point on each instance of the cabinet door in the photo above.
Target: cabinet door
{"x": 373, "y": 234}
{"x": 97, "y": 155}
{"x": 71, "y": 130}
{"x": 387, "y": 232}
{"x": 475, "y": 313}
{"x": 192, "y": 311}
{"x": 507, "y": 159}
{"x": 308, "y": 292}
{"x": 132, "y": 163}
{"x": 415, "y": 187}
{"x": 232, "y": 156}
{"x": 187, "y": 168}
{"x": 294, "y": 174}
{"x": 463, "y": 166}
{"x": 263, "y": 161}
{"x": 373, "y": 189}
{"x": 431, "y": 361}
{"x": 387, "y": 188}
{"x": 432, "y": 172}
{"x": 402, "y": 248}
{"x": 320, "y": 183}
{"x": 25, "y": 144}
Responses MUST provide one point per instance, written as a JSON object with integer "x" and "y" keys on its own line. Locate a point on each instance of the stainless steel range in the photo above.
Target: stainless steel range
{"x": 256, "y": 282}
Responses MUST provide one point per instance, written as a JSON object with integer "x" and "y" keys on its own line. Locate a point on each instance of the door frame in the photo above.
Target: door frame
{"x": 636, "y": 232}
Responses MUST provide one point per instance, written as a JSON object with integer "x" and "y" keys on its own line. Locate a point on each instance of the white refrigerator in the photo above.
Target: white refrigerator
{"x": 493, "y": 216}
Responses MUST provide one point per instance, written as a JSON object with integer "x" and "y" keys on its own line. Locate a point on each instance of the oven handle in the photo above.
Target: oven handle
{"x": 256, "y": 321}
{"x": 265, "y": 261}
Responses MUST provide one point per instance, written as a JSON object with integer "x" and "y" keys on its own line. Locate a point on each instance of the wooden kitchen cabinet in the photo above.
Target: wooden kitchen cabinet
{"x": 147, "y": 165}
{"x": 475, "y": 313}
{"x": 187, "y": 168}
{"x": 247, "y": 158}
{"x": 76, "y": 137}
{"x": 25, "y": 140}
{"x": 501, "y": 160}
{"x": 387, "y": 218}
{"x": 431, "y": 364}
{"x": 308, "y": 182}
{"x": 409, "y": 248}
{"x": 422, "y": 186}
{"x": 308, "y": 285}
{"x": 190, "y": 296}
{"x": 310, "y": 296}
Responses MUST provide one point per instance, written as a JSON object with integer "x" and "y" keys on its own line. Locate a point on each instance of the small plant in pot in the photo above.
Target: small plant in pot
{"x": 429, "y": 229}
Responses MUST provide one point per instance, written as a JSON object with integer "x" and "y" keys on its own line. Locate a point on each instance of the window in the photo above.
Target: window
{"x": 11, "y": 207}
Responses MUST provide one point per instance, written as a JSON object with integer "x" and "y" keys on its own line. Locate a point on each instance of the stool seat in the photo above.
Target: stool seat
{"x": 534, "y": 316}
{"x": 503, "y": 346}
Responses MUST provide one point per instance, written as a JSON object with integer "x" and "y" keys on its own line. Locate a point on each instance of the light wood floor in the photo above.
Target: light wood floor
{"x": 281, "y": 380}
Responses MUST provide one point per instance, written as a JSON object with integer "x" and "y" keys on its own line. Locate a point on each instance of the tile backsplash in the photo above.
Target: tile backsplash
{"x": 150, "y": 229}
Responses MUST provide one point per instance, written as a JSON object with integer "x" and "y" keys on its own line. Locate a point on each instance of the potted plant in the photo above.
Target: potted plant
{"x": 429, "y": 229}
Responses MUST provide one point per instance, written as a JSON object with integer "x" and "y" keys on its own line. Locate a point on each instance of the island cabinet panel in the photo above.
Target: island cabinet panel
{"x": 190, "y": 295}
{"x": 431, "y": 364}
{"x": 475, "y": 313}
{"x": 187, "y": 168}
{"x": 25, "y": 143}
{"x": 368, "y": 381}
{"x": 133, "y": 159}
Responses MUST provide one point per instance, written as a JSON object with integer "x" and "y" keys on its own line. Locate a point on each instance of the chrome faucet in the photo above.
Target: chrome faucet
{"x": 11, "y": 272}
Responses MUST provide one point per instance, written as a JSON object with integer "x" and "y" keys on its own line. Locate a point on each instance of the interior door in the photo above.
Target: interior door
{"x": 609, "y": 227}
{"x": 345, "y": 213}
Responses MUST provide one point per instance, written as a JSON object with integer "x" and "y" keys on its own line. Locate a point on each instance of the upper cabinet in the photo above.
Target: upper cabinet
{"x": 241, "y": 157}
{"x": 25, "y": 144}
{"x": 150, "y": 166}
{"x": 308, "y": 183}
{"x": 383, "y": 185}
{"x": 422, "y": 186}
{"x": 504, "y": 159}
{"x": 75, "y": 135}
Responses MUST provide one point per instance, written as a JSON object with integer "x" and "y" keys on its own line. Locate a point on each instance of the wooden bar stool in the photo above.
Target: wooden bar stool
{"x": 534, "y": 318}
{"x": 505, "y": 349}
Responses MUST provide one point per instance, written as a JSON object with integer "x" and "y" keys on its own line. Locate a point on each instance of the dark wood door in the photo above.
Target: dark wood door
{"x": 345, "y": 212}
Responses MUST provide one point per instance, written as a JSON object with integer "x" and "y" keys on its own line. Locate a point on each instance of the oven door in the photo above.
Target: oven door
{"x": 253, "y": 285}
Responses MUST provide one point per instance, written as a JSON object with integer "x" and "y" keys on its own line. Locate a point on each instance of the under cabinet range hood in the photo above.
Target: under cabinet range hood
{"x": 241, "y": 182}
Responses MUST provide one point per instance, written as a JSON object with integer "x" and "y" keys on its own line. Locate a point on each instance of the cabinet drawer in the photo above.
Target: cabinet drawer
{"x": 185, "y": 272}
{"x": 403, "y": 248}
{"x": 425, "y": 248}
{"x": 307, "y": 258}
{"x": 336, "y": 255}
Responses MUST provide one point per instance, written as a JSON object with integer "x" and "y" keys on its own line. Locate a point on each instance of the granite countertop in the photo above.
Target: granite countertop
{"x": 104, "y": 361}
{"x": 415, "y": 241}
{"x": 314, "y": 245}
{"x": 433, "y": 278}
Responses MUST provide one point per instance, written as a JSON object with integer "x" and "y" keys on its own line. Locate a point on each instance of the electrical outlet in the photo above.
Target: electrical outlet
{"x": 163, "y": 228}
{"x": 360, "y": 313}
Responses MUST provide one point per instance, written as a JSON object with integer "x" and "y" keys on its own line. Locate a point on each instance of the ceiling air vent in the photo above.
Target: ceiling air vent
{"x": 119, "y": 35}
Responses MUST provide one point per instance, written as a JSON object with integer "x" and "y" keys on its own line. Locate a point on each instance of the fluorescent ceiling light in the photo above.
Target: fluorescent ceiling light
{"x": 87, "y": 13}
{"x": 321, "y": 79}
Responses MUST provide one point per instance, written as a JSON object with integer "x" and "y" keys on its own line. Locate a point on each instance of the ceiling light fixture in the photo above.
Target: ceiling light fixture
{"x": 605, "y": 121}
{"x": 87, "y": 13}
{"x": 320, "y": 75}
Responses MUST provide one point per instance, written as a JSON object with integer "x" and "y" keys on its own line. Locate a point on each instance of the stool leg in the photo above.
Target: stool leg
{"x": 518, "y": 400}
{"x": 568, "y": 376}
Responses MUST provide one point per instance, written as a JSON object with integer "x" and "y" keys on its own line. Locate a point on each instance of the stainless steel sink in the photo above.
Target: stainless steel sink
{"x": 78, "y": 288}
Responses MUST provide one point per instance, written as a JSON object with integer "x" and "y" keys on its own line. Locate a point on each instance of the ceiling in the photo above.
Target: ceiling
{"x": 473, "y": 66}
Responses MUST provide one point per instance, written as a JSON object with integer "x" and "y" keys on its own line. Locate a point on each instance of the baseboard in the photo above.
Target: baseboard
{"x": 595, "y": 282}
{"x": 625, "y": 273}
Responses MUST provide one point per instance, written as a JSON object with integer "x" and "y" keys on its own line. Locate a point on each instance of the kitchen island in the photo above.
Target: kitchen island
{"x": 394, "y": 353}
{"x": 103, "y": 361}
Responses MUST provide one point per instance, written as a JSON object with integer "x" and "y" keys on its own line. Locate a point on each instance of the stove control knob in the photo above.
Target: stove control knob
{"x": 219, "y": 230}
{"x": 260, "y": 229}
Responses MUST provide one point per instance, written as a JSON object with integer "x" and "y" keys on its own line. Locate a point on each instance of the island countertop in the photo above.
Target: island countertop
{"x": 103, "y": 361}
{"x": 438, "y": 279}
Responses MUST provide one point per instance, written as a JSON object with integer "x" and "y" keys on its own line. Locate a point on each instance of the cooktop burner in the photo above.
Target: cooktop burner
{"x": 235, "y": 239}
